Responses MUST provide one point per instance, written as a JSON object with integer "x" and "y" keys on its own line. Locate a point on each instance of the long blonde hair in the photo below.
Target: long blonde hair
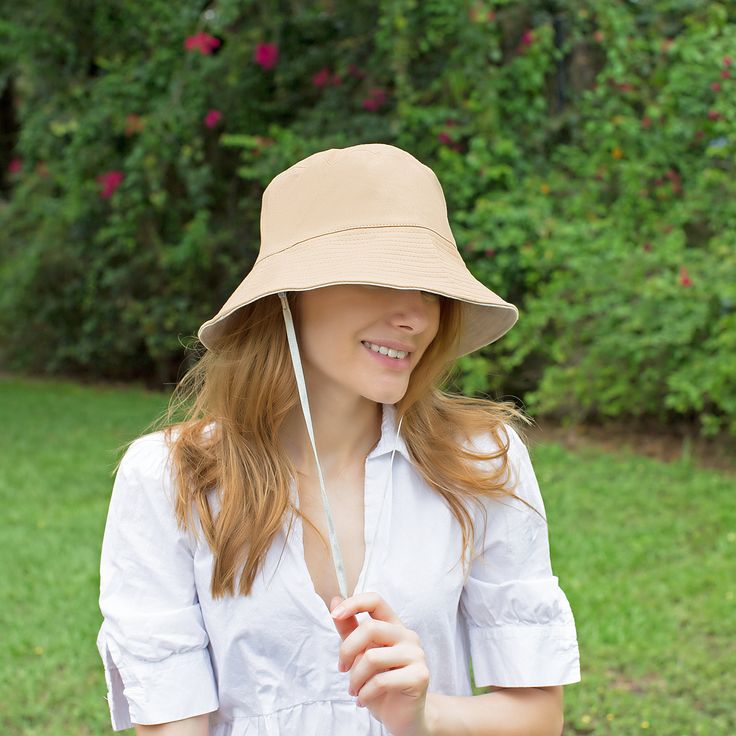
{"x": 247, "y": 386}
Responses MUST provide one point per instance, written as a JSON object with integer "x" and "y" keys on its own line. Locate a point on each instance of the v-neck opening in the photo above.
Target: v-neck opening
{"x": 300, "y": 554}
{"x": 377, "y": 488}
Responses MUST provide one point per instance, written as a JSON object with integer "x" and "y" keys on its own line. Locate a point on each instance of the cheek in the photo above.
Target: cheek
{"x": 335, "y": 353}
{"x": 432, "y": 329}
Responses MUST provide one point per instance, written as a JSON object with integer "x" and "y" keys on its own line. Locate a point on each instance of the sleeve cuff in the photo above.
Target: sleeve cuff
{"x": 149, "y": 693}
{"x": 524, "y": 655}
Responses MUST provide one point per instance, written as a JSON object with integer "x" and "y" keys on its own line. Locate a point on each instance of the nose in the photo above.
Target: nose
{"x": 416, "y": 308}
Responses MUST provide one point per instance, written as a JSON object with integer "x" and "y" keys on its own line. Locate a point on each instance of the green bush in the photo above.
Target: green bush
{"x": 586, "y": 150}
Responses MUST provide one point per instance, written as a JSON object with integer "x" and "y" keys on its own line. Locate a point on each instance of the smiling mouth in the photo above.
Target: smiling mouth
{"x": 387, "y": 360}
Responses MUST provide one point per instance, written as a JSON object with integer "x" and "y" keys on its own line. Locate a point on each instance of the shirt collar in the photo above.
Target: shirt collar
{"x": 388, "y": 440}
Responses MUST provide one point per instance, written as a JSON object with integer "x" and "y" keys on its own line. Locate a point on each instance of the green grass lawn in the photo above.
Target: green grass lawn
{"x": 645, "y": 552}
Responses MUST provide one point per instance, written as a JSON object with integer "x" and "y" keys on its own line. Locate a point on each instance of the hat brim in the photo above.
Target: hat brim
{"x": 382, "y": 256}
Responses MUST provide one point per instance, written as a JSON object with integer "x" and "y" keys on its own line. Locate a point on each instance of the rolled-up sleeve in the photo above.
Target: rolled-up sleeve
{"x": 152, "y": 640}
{"x": 520, "y": 626}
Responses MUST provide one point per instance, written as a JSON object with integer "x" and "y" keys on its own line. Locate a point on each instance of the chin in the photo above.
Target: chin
{"x": 384, "y": 397}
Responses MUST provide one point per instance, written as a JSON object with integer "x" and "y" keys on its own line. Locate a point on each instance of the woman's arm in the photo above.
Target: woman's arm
{"x": 507, "y": 711}
{"x": 194, "y": 726}
{"x": 152, "y": 641}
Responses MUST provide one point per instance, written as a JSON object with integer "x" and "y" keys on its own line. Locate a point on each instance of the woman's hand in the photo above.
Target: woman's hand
{"x": 388, "y": 671}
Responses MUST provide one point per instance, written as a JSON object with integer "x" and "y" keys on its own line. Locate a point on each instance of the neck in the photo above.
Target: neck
{"x": 344, "y": 434}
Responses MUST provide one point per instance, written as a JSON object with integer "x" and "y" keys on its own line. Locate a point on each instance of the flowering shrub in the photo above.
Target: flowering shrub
{"x": 587, "y": 158}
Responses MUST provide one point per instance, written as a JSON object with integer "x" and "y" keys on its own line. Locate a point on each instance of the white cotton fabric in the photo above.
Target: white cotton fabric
{"x": 266, "y": 664}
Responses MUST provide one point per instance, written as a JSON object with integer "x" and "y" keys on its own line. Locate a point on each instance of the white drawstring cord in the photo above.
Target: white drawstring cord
{"x": 296, "y": 362}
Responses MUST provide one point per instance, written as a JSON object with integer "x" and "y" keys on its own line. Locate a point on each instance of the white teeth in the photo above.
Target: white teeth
{"x": 385, "y": 351}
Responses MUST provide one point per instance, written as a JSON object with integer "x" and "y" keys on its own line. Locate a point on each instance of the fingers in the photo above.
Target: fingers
{"x": 377, "y": 659}
{"x": 412, "y": 680}
{"x": 372, "y": 633}
{"x": 371, "y": 602}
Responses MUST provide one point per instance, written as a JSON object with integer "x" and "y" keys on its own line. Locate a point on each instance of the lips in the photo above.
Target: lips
{"x": 389, "y": 362}
{"x": 392, "y": 344}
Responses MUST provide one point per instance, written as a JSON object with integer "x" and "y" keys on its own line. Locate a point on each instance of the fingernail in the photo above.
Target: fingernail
{"x": 338, "y": 611}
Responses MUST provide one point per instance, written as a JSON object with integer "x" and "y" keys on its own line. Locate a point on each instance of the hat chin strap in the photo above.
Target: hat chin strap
{"x": 296, "y": 362}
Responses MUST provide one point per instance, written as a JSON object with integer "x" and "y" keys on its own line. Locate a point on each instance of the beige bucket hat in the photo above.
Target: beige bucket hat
{"x": 366, "y": 214}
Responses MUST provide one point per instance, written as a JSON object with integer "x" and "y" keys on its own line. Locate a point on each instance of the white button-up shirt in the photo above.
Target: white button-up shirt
{"x": 267, "y": 663}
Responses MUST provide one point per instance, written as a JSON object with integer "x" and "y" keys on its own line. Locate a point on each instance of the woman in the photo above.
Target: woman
{"x": 320, "y": 399}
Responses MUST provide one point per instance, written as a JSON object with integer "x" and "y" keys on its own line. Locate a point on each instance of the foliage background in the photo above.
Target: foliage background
{"x": 586, "y": 150}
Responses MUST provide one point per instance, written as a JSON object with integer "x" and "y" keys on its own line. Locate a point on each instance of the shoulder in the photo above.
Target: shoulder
{"x": 144, "y": 492}
{"x": 514, "y": 466}
{"x": 502, "y": 441}
{"x": 147, "y": 465}
{"x": 150, "y": 454}
{"x": 147, "y": 457}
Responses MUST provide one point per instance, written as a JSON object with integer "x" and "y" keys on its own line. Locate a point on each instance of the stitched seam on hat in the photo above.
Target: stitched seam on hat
{"x": 359, "y": 227}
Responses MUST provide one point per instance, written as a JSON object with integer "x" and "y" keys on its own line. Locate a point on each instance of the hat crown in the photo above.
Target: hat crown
{"x": 366, "y": 185}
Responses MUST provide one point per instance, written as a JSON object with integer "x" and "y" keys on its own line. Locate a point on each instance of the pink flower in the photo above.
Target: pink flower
{"x": 490, "y": 252}
{"x": 647, "y": 246}
{"x": 725, "y": 74}
{"x": 377, "y": 98}
{"x": 266, "y": 55}
{"x": 202, "y": 42}
{"x": 714, "y": 114}
{"x": 15, "y": 165}
{"x": 321, "y": 78}
{"x": 685, "y": 279}
{"x": 444, "y": 138}
{"x": 212, "y": 118}
{"x": 527, "y": 38}
{"x": 715, "y": 86}
{"x": 646, "y": 121}
{"x": 110, "y": 181}
{"x": 727, "y": 61}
